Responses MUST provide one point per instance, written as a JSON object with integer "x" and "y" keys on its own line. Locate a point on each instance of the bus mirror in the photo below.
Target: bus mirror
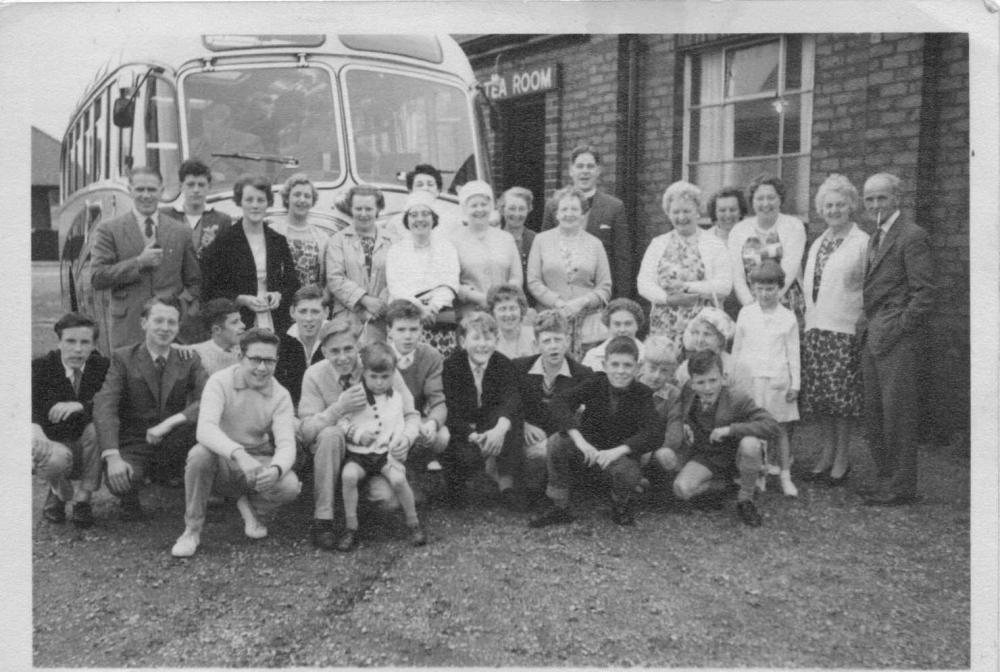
{"x": 124, "y": 111}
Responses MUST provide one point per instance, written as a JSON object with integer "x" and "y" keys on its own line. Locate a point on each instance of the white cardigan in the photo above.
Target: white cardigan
{"x": 718, "y": 276}
{"x": 839, "y": 302}
{"x": 791, "y": 232}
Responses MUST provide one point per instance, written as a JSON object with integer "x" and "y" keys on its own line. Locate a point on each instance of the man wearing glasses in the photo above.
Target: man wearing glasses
{"x": 242, "y": 408}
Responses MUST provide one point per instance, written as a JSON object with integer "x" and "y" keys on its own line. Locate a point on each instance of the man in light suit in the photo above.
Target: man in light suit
{"x": 143, "y": 254}
{"x": 145, "y": 414}
{"x": 898, "y": 297}
{"x": 605, "y": 217}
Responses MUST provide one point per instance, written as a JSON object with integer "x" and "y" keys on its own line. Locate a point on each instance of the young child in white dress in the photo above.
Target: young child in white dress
{"x": 767, "y": 343}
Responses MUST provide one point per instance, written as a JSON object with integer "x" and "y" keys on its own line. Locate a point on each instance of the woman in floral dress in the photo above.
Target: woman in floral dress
{"x": 683, "y": 270}
{"x": 306, "y": 241}
{"x": 831, "y": 366}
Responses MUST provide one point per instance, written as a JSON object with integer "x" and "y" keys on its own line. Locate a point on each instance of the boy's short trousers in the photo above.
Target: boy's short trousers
{"x": 372, "y": 463}
{"x": 718, "y": 458}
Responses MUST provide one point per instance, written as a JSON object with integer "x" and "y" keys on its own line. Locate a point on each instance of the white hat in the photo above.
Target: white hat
{"x": 474, "y": 188}
{"x": 716, "y": 317}
{"x": 421, "y": 197}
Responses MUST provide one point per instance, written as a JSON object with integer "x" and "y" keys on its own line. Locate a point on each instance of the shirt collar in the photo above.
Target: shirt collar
{"x": 240, "y": 381}
{"x": 472, "y": 365}
{"x": 589, "y": 194}
{"x": 153, "y": 355}
{"x": 141, "y": 218}
{"x": 887, "y": 224}
{"x": 69, "y": 370}
{"x": 293, "y": 331}
{"x": 538, "y": 370}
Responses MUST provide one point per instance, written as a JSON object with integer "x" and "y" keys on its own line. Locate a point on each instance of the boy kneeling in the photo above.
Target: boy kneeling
{"x": 721, "y": 426}
{"x": 618, "y": 425}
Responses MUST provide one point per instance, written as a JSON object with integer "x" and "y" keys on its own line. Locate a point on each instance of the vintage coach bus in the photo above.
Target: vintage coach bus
{"x": 342, "y": 108}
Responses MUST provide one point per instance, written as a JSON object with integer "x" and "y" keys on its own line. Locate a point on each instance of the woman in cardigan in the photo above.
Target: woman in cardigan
{"x": 769, "y": 234}
{"x": 831, "y": 367}
{"x": 568, "y": 269}
{"x": 515, "y": 205}
{"x": 306, "y": 241}
{"x": 355, "y": 263}
{"x": 250, "y": 263}
{"x": 683, "y": 270}
{"x": 487, "y": 256}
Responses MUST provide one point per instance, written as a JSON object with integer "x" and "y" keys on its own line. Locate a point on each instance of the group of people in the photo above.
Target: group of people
{"x": 424, "y": 343}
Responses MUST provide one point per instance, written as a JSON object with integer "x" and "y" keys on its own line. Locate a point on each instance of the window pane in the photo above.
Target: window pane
{"x": 263, "y": 115}
{"x": 792, "y": 140}
{"x": 755, "y": 128}
{"x": 162, "y": 134}
{"x": 795, "y": 175}
{"x": 741, "y": 173}
{"x": 398, "y": 121}
{"x": 708, "y": 177}
{"x": 793, "y": 62}
{"x": 752, "y": 70}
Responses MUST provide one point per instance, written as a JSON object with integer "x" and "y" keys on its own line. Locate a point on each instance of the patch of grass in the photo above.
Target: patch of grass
{"x": 826, "y": 582}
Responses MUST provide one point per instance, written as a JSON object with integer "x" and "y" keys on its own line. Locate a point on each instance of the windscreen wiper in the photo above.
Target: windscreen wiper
{"x": 288, "y": 161}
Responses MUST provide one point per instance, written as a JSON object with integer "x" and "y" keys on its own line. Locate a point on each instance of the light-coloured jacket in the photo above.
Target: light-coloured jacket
{"x": 839, "y": 302}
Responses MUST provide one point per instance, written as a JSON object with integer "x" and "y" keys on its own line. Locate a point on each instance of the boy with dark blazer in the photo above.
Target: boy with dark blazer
{"x": 723, "y": 429}
{"x": 484, "y": 411}
{"x": 63, "y": 385}
{"x": 619, "y": 424}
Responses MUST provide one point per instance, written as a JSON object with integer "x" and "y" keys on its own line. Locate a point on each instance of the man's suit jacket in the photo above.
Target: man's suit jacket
{"x": 500, "y": 398}
{"x": 898, "y": 287}
{"x": 117, "y": 243}
{"x": 212, "y": 224}
{"x": 736, "y": 411}
{"x": 538, "y": 407}
{"x": 230, "y": 271}
{"x": 135, "y": 397}
{"x": 49, "y": 386}
{"x": 636, "y": 424}
{"x": 292, "y": 365}
{"x": 606, "y": 220}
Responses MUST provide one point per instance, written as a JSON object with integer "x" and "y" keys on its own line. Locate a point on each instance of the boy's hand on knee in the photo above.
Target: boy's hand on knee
{"x": 688, "y": 434}
{"x": 119, "y": 474}
{"x": 719, "y": 434}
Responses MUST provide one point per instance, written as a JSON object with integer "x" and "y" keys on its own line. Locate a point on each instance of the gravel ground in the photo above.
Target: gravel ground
{"x": 826, "y": 582}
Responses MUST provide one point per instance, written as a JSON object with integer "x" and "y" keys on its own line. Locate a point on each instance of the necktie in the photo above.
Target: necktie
{"x": 345, "y": 382}
{"x": 160, "y": 362}
{"x": 876, "y": 241}
{"x": 405, "y": 362}
{"x": 149, "y": 227}
{"x": 77, "y": 376}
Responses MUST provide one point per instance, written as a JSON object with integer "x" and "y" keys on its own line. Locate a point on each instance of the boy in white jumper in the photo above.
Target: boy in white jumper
{"x": 767, "y": 343}
{"x": 369, "y": 432}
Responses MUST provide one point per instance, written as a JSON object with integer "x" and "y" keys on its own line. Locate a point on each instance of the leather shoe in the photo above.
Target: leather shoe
{"x": 890, "y": 500}
{"x": 748, "y": 513}
{"x": 554, "y": 515}
{"x": 54, "y": 509}
{"x": 322, "y": 535}
{"x": 814, "y": 476}
{"x": 840, "y": 481}
{"x": 132, "y": 509}
{"x": 417, "y": 536}
{"x": 347, "y": 541}
{"x": 83, "y": 515}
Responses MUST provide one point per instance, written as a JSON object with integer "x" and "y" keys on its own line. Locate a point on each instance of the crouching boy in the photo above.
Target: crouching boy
{"x": 241, "y": 408}
{"x": 721, "y": 428}
{"x": 618, "y": 425}
{"x": 377, "y": 443}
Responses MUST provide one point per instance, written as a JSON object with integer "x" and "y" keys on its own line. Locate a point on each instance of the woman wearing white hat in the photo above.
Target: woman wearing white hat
{"x": 487, "y": 256}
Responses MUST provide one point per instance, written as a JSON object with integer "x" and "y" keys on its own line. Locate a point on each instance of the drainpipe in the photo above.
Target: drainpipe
{"x": 626, "y": 175}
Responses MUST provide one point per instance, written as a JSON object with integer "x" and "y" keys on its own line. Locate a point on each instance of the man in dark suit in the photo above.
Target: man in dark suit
{"x": 484, "y": 411}
{"x": 142, "y": 254}
{"x": 63, "y": 385}
{"x": 898, "y": 296}
{"x": 146, "y": 411}
{"x": 604, "y": 217}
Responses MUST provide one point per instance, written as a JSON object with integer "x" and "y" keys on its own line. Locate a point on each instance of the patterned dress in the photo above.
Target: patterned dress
{"x": 681, "y": 262}
{"x": 763, "y": 245}
{"x": 831, "y": 360}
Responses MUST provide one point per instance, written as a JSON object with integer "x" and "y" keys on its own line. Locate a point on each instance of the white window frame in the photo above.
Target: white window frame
{"x": 718, "y": 99}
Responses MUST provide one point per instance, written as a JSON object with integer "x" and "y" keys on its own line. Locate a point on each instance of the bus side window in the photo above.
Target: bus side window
{"x": 162, "y": 133}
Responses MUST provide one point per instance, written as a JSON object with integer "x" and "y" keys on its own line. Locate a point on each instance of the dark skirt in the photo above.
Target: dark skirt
{"x": 831, "y": 373}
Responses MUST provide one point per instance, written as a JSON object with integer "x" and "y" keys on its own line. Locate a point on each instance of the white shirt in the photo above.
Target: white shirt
{"x": 141, "y": 220}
